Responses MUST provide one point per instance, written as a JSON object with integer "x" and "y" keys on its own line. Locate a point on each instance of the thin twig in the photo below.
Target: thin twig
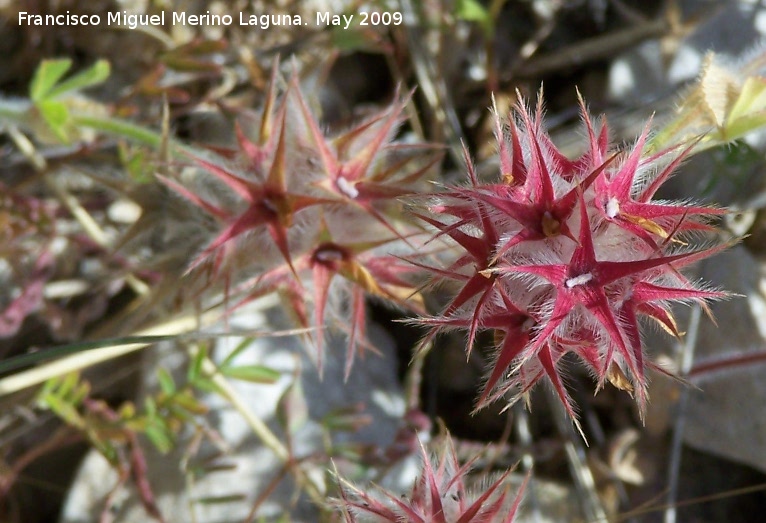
{"x": 59, "y": 440}
{"x": 432, "y": 84}
{"x": 585, "y": 484}
{"x": 686, "y": 354}
{"x": 261, "y": 430}
{"x": 521, "y": 424}
{"x": 592, "y": 49}
{"x": 89, "y": 225}
{"x": 599, "y": 438}
{"x": 413, "y": 380}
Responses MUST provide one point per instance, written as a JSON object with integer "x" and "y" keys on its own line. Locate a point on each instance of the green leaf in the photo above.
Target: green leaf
{"x": 150, "y": 406}
{"x": 48, "y": 73}
{"x": 195, "y": 369}
{"x": 252, "y": 373}
{"x": 245, "y": 343}
{"x": 207, "y": 467}
{"x": 48, "y": 388}
{"x": 217, "y": 500}
{"x": 189, "y": 403}
{"x": 67, "y": 387}
{"x": 93, "y": 75}
{"x": 159, "y": 438}
{"x": 65, "y": 410}
{"x": 206, "y": 385}
{"x": 745, "y": 124}
{"x": 177, "y": 412}
{"x": 473, "y": 11}
{"x": 56, "y": 115}
{"x": 352, "y": 40}
{"x": 292, "y": 411}
{"x": 167, "y": 384}
{"x": 80, "y": 393}
{"x": 138, "y": 424}
{"x": 752, "y": 99}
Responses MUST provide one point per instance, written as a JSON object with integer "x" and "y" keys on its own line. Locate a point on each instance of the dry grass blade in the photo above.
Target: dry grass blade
{"x": 37, "y": 375}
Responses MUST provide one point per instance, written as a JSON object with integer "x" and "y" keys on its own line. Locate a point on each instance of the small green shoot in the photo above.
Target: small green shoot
{"x": 46, "y": 91}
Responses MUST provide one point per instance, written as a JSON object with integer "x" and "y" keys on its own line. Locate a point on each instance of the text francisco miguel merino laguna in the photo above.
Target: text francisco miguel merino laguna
{"x": 132, "y": 21}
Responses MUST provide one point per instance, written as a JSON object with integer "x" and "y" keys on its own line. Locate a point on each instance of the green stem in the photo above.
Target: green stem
{"x": 14, "y": 110}
{"x": 260, "y": 429}
{"x": 127, "y": 130}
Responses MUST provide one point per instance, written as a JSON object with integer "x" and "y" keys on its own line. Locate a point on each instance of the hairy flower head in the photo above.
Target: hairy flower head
{"x": 439, "y": 495}
{"x": 563, "y": 256}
